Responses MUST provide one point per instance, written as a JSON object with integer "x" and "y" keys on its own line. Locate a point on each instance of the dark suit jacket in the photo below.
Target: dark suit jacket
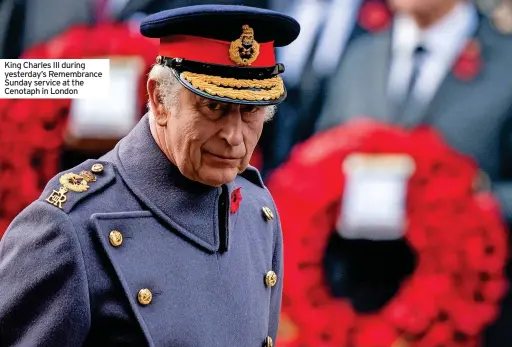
{"x": 64, "y": 283}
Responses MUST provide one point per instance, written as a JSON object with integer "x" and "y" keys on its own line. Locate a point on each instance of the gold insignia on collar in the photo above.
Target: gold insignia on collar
{"x": 57, "y": 198}
{"x": 74, "y": 182}
{"x": 245, "y": 50}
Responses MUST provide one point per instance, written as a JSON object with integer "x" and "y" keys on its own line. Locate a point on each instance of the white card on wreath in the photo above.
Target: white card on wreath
{"x": 114, "y": 115}
{"x": 374, "y": 198}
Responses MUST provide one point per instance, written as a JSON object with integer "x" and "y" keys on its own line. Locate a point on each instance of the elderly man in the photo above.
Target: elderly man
{"x": 170, "y": 239}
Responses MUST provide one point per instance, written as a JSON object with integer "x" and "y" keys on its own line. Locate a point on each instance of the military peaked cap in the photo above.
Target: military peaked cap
{"x": 224, "y": 52}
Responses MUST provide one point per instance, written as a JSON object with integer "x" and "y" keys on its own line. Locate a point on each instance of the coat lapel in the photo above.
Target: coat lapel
{"x": 378, "y": 73}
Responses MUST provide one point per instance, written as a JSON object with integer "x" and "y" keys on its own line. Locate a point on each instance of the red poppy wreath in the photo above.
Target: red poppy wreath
{"x": 454, "y": 231}
{"x": 32, "y": 130}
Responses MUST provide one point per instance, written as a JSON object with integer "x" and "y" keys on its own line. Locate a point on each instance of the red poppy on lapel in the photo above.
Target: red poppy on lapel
{"x": 236, "y": 198}
{"x": 469, "y": 62}
{"x": 374, "y": 16}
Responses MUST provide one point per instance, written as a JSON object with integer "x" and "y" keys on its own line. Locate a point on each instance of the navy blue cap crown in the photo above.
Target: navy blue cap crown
{"x": 222, "y": 22}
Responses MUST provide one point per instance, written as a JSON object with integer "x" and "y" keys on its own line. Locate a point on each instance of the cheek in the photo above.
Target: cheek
{"x": 183, "y": 135}
{"x": 252, "y": 135}
{"x": 194, "y": 136}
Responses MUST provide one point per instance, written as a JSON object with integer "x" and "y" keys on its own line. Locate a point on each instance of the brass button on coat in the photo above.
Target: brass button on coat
{"x": 271, "y": 279}
{"x": 144, "y": 296}
{"x": 267, "y": 212}
{"x": 97, "y": 168}
{"x": 116, "y": 238}
{"x": 269, "y": 342}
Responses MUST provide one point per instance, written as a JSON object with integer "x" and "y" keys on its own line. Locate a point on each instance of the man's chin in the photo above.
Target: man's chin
{"x": 216, "y": 177}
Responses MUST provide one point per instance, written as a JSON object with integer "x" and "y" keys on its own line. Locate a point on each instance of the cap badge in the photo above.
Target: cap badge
{"x": 245, "y": 50}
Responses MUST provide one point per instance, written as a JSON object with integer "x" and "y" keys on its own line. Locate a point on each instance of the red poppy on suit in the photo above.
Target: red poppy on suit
{"x": 457, "y": 234}
{"x": 469, "y": 62}
{"x": 374, "y": 16}
{"x": 236, "y": 199}
{"x": 32, "y": 131}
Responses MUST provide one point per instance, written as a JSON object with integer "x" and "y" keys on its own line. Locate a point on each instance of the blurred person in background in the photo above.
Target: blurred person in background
{"x": 445, "y": 64}
{"x": 328, "y": 28}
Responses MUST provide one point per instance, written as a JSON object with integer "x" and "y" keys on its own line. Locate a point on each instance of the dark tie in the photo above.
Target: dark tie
{"x": 418, "y": 59}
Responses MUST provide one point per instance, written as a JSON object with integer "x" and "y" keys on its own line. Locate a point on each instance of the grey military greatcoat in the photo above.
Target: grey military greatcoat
{"x": 143, "y": 257}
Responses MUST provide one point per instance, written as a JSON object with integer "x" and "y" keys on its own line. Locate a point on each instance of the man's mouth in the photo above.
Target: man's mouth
{"x": 223, "y": 157}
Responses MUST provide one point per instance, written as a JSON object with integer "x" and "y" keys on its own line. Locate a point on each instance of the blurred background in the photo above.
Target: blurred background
{"x": 356, "y": 273}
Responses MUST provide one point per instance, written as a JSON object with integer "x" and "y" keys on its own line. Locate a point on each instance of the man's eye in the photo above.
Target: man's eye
{"x": 214, "y": 106}
{"x": 251, "y": 109}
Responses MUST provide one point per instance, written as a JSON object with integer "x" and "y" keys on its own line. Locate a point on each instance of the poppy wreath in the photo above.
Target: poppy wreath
{"x": 32, "y": 131}
{"x": 455, "y": 230}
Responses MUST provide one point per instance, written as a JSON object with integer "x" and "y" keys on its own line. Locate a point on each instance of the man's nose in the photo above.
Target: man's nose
{"x": 232, "y": 128}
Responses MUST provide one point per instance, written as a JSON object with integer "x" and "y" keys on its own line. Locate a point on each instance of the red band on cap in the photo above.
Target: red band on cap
{"x": 210, "y": 51}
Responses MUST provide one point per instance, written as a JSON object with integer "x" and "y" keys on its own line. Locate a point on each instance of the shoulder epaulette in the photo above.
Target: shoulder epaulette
{"x": 67, "y": 188}
{"x": 253, "y": 175}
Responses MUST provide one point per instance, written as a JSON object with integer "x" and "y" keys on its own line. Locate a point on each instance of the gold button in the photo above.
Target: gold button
{"x": 97, "y": 168}
{"x": 271, "y": 278}
{"x": 269, "y": 342}
{"x": 268, "y": 213}
{"x": 116, "y": 238}
{"x": 145, "y": 296}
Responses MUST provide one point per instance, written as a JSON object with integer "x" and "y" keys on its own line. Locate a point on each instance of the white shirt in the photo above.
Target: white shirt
{"x": 443, "y": 41}
{"x": 338, "y": 16}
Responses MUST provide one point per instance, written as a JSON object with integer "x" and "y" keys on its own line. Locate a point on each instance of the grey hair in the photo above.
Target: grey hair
{"x": 167, "y": 86}
{"x": 168, "y": 89}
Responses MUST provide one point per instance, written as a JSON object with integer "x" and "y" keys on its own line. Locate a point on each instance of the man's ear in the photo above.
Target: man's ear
{"x": 157, "y": 104}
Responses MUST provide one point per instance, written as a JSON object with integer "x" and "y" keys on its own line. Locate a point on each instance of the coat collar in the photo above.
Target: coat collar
{"x": 187, "y": 207}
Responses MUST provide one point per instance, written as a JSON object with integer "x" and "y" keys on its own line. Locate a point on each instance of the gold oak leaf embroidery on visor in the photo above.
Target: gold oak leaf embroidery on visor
{"x": 267, "y": 89}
